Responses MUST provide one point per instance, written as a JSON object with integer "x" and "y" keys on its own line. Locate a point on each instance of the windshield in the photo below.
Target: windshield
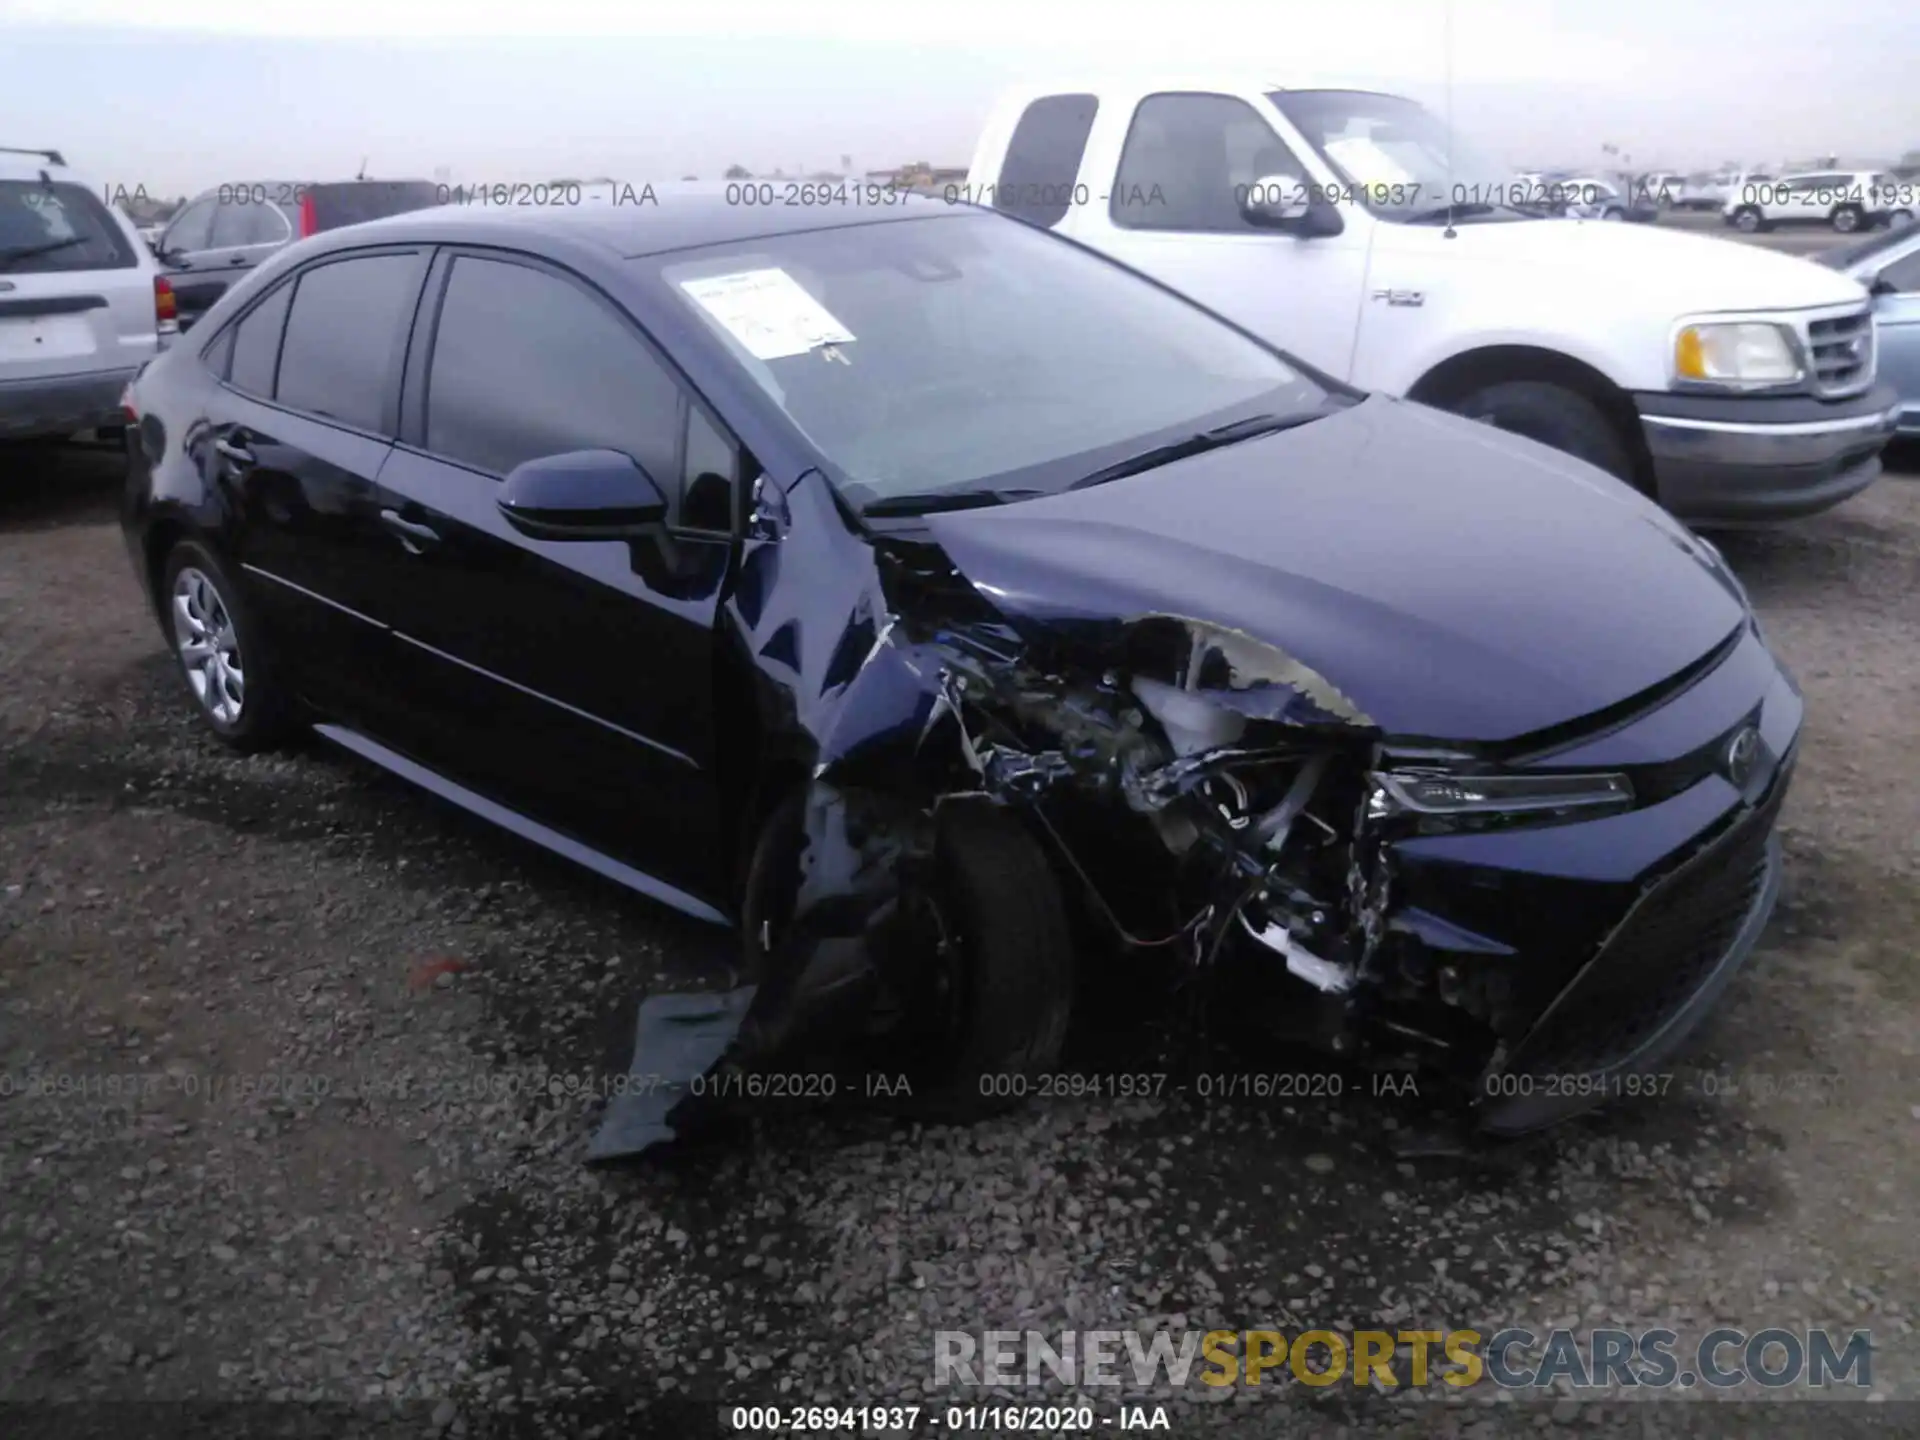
{"x": 965, "y": 352}
{"x": 1400, "y": 157}
{"x": 48, "y": 226}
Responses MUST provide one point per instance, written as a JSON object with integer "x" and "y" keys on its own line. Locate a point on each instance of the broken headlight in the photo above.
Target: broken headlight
{"x": 1441, "y": 794}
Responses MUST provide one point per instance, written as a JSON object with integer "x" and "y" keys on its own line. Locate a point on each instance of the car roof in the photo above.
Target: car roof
{"x": 646, "y": 219}
{"x": 17, "y": 166}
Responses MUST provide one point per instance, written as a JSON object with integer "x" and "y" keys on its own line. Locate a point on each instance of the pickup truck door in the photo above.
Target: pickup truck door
{"x": 1164, "y": 184}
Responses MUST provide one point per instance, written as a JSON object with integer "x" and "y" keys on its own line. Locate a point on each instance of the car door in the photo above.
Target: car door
{"x": 246, "y": 230}
{"x": 571, "y": 680}
{"x": 294, "y": 442}
{"x": 183, "y": 253}
{"x": 1896, "y": 319}
{"x": 1185, "y": 164}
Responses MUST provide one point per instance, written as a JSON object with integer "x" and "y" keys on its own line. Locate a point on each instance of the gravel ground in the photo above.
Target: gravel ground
{"x": 301, "y": 1066}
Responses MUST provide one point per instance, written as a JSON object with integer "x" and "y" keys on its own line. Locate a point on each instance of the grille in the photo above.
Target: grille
{"x": 1658, "y": 957}
{"x": 1841, "y": 349}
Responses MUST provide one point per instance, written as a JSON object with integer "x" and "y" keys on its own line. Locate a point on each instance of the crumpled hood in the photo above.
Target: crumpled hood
{"x": 1456, "y": 582}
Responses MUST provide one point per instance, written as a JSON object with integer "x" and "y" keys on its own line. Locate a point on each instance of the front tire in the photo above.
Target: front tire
{"x": 222, "y": 651}
{"x": 1848, "y": 218}
{"x": 1899, "y": 219}
{"x": 1613, "y": 212}
{"x": 1553, "y": 415}
{"x": 1748, "y": 220}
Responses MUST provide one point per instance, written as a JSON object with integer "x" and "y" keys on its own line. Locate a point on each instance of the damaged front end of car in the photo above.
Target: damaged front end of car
{"x": 1204, "y": 795}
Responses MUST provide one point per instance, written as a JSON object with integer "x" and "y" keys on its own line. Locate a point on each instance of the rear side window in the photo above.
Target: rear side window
{"x": 351, "y": 202}
{"x": 527, "y": 364}
{"x": 1043, "y": 158}
{"x": 256, "y": 343}
{"x": 338, "y": 358}
{"x": 247, "y": 223}
{"x": 47, "y": 227}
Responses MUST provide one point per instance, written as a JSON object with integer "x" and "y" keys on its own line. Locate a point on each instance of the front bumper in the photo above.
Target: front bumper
{"x": 61, "y": 404}
{"x": 1739, "y": 460}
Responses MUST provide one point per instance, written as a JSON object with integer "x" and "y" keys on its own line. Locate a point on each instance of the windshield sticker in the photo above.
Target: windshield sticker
{"x": 1367, "y": 162}
{"x": 768, "y": 312}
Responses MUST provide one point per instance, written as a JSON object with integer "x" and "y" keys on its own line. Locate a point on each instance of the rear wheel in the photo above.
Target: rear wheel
{"x": 1613, "y": 212}
{"x": 222, "y": 651}
{"x": 1848, "y": 218}
{"x": 1553, "y": 415}
{"x": 1899, "y": 219}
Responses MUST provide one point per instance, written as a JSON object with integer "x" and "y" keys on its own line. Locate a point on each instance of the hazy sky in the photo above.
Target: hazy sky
{"x": 182, "y": 94}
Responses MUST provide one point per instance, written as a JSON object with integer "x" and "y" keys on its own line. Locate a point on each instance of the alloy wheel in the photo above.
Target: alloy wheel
{"x": 208, "y": 646}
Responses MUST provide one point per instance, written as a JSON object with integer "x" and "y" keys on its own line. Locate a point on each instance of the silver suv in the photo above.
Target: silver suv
{"x": 82, "y": 302}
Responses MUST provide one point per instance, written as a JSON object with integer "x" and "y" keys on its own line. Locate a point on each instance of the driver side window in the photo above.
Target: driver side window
{"x": 1190, "y": 160}
{"x": 1903, "y": 274}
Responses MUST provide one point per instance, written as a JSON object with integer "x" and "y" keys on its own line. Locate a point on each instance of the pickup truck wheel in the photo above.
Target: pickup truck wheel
{"x": 1748, "y": 219}
{"x": 1848, "y": 218}
{"x": 1899, "y": 219}
{"x": 1553, "y": 415}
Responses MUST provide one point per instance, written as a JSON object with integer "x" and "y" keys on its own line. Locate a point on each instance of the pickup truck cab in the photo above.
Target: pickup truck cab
{"x": 1353, "y": 230}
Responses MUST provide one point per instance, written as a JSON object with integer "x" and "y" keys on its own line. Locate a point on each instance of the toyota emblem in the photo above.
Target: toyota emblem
{"x": 1742, "y": 751}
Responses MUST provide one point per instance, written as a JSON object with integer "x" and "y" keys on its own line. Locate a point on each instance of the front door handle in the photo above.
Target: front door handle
{"x": 238, "y": 454}
{"x": 238, "y": 260}
{"x": 414, "y": 536}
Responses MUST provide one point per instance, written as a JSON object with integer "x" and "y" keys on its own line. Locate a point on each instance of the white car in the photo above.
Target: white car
{"x": 82, "y": 302}
{"x": 1847, "y": 200}
{"x": 1353, "y": 230}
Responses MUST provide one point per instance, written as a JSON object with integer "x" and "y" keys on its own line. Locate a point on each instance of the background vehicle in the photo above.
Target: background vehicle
{"x": 1845, "y": 200}
{"x": 1591, "y": 198}
{"x": 737, "y": 556}
{"x": 82, "y": 303}
{"x": 1888, "y": 264}
{"x": 1704, "y": 190}
{"x": 1354, "y": 230}
{"x": 1664, "y": 189}
{"x": 224, "y": 232}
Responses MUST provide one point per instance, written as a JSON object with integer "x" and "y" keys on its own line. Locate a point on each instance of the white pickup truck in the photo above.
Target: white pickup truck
{"x": 1353, "y": 230}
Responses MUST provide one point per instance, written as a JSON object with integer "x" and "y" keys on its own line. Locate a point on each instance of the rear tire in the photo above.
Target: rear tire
{"x": 1553, "y": 415}
{"x": 1899, "y": 219}
{"x": 1848, "y": 219}
{"x": 222, "y": 651}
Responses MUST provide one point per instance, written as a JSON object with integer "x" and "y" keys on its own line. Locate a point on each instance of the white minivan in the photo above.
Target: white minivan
{"x": 83, "y": 304}
{"x": 1352, "y": 229}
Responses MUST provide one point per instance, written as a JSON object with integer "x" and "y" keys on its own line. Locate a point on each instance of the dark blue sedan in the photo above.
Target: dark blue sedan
{"x": 924, "y": 594}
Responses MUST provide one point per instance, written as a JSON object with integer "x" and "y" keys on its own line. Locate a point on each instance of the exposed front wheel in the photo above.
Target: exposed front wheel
{"x": 1553, "y": 415}
{"x": 222, "y": 651}
{"x": 1747, "y": 219}
{"x": 979, "y": 957}
{"x": 1848, "y": 218}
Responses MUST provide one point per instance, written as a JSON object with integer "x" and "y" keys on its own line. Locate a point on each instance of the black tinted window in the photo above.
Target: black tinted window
{"x": 190, "y": 227}
{"x": 707, "y": 475}
{"x": 57, "y": 227}
{"x": 1189, "y": 161}
{"x": 256, "y": 343}
{"x": 526, "y": 364}
{"x": 351, "y": 202}
{"x": 339, "y": 354}
{"x": 246, "y": 223}
{"x": 1043, "y": 158}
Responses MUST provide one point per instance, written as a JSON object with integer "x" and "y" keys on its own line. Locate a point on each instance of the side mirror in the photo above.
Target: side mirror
{"x": 1880, "y": 285}
{"x": 582, "y": 495}
{"x": 1280, "y": 202}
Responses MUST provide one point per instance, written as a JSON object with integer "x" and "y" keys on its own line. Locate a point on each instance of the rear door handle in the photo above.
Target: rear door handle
{"x": 415, "y": 537}
{"x": 238, "y": 260}
{"x": 240, "y": 455}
